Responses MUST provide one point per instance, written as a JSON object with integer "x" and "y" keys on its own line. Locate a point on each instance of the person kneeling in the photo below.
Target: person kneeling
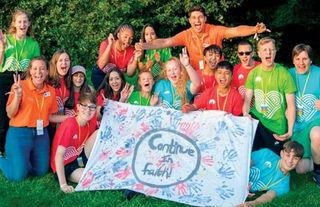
{"x": 73, "y": 142}
{"x": 270, "y": 173}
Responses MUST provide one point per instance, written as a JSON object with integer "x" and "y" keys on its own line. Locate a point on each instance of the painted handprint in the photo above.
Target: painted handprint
{"x": 230, "y": 155}
{"x": 226, "y": 172}
{"x": 225, "y": 192}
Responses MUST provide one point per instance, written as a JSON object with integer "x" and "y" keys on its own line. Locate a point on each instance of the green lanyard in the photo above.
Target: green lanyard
{"x": 174, "y": 95}
{"x": 271, "y": 183}
{"x": 140, "y": 101}
{"x": 21, "y": 51}
{"x": 265, "y": 87}
{"x": 305, "y": 85}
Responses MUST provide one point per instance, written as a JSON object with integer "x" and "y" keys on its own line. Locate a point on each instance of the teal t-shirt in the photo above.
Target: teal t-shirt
{"x": 137, "y": 99}
{"x": 18, "y": 53}
{"x": 265, "y": 173}
{"x": 269, "y": 89}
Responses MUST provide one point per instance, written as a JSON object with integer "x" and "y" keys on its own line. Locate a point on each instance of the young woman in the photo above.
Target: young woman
{"x": 59, "y": 72}
{"x": 113, "y": 87}
{"x": 153, "y": 58}
{"x": 116, "y": 51}
{"x": 306, "y": 128}
{"x": 77, "y": 84}
{"x": 17, "y": 48}
{"x": 31, "y": 104}
{"x": 175, "y": 90}
{"x": 143, "y": 97}
{"x": 73, "y": 142}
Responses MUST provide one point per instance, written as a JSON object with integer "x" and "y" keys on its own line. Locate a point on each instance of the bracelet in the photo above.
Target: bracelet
{"x": 63, "y": 185}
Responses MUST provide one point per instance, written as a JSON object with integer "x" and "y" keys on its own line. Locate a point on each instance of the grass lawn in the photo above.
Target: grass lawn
{"x": 45, "y": 192}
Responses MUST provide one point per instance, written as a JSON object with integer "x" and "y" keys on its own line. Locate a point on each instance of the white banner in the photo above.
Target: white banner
{"x": 201, "y": 158}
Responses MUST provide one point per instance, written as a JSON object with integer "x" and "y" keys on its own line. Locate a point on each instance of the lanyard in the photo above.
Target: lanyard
{"x": 199, "y": 42}
{"x": 224, "y": 102}
{"x": 62, "y": 90}
{"x": 270, "y": 184}
{"x": 115, "y": 56}
{"x": 174, "y": 95}
{"x": 79, "y": 136}
{"x": 140, "y": 101}
{"x": 19, "y": 56}
{"x": 265, "y": 87}
{"x": 305, "y": 85}
{"x": 41, "y": 106}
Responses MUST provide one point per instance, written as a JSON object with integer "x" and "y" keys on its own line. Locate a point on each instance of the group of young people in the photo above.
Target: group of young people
{"x": 51, "y": 105}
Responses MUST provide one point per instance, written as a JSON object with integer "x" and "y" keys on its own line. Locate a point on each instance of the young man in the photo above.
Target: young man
{"x": 247, "y": 63}
{"x": 273, "y": 89}
{"x": 222, "y": 96}
{"x": 270, "y": 173}
{"x": 201, "y": 35}
{"x": 212, "y": 56}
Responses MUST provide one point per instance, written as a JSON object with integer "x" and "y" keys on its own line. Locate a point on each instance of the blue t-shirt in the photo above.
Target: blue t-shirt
{"x": 265, "y": 174}
{"x": 305, "y": 99}
{"x": 168, "y": 96}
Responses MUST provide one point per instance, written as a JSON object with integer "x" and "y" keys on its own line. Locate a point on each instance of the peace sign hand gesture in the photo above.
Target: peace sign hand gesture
{"x": 16, "y": 87}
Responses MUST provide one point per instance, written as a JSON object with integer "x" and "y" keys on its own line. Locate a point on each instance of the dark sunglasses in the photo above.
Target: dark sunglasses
{"x": 246, "y": 53}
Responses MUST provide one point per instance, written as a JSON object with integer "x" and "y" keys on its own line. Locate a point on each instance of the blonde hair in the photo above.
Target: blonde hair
{"x": 53, "y": 72}
{"x": 265, "y": 40}
{"x": 12, "y": 28}
{"x": 182, "y": 82}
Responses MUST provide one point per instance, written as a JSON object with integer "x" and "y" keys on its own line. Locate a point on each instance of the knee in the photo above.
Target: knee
{"x": 17, "y": 175}
{"x": 315, "y": 136}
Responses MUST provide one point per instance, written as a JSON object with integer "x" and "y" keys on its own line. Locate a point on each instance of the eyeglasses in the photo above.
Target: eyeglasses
{"x": 245, "y": 53}
{"x": 92, "y": 107}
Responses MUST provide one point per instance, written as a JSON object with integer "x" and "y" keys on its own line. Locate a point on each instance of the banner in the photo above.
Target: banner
{"x": 201, "y": 158}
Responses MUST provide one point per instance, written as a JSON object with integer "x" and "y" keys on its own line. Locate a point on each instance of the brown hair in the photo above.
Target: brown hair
{"x": 17, "y": 12}
{"x": 294, "y": 146}
{"x": 86, "y": 96}
{"x": 53, "y": 72}
{"x": 197, "y": 8}
{"x": 182, "y": 82}
{"x": 265, "y": 40}
{"x": 300, "y": 48}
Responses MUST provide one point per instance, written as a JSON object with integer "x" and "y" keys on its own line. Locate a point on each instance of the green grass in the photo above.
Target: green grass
{"x": 44, "y": 191}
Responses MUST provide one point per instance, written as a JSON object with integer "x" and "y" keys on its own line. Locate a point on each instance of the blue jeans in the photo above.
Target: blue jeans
{"x": 26, "y": 153}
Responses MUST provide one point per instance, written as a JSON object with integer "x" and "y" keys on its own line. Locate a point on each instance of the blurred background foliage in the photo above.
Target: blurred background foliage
{"x": 80, "y": 25}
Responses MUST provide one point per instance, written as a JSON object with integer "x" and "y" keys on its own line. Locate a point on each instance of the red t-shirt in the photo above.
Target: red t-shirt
{"x": 196, "y": 43}
{"x": 207, "y": 81}
{"x": 100, "y": 98}
{"x": 231, "y": 103}
{"x": 240, "y": 75}
{"x": 67, "y": 135}
{"x": 120, "y": 59}
{"x": 73, "y": 112}
{"x": 62, "y": 94}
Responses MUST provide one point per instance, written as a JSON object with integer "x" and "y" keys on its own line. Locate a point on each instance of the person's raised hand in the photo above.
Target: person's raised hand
{"x": 16, "y": 87}
{"x": 184, "y": 58}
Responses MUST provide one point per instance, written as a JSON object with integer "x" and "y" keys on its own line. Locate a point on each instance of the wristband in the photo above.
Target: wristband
{"x": 63, "y": 185}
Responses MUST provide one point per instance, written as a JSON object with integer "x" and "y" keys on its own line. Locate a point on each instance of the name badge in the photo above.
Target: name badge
{"x": 40, "y": 127}
{"x": 46, "y": 94}
{"x": 80, "y": 162}
{"x": 201, "y": 64}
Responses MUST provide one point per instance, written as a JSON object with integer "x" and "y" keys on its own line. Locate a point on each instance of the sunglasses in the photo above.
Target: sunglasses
{"x": 92, "y": 107}
{"x": 246, "y": 53}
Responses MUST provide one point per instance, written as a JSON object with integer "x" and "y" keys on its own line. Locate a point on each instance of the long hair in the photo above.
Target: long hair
{"x": 85, "y": 88}
{"x": 12, "y": 28}
{"x": 54, "y": 78}
{"x": 182, "y": 82}
{"x": 108, "y": 92}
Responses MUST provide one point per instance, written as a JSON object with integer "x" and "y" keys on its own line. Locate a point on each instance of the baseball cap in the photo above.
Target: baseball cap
{"x": 78, "y": 68}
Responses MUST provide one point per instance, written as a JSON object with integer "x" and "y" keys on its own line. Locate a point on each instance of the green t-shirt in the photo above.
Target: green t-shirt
{"x": 165, "y": 55}
{"x": 136, "y": 99}
{"x": 18, "y": 53}
{"x": 270, "y": 88}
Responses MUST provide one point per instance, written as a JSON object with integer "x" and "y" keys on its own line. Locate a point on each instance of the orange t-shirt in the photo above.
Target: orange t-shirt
{"x": 196, "y": 43}
{"x": 34, "y": 105}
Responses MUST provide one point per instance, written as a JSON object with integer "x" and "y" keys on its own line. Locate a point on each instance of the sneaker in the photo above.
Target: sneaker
{"x": 129, "y": 194}
{"x": 316, "y": 177}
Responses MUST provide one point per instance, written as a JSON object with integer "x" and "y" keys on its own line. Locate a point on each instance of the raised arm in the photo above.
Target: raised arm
{"x": 155, "y": 44}
{"x": 2, "y": 47}
{"x": 247, "y": 101}
{"x": 104, "y": 57}
{"x": 13, "y": 107}
{"x": 245, "y": 30}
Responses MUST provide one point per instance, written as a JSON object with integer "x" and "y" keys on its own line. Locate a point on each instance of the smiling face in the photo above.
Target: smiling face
{"x": 146, "y": 81}
{"x": 63, "y": 64}
{"x": 289, "y": 160}
{"x": 21, "y": 24}
{"x": 212, "y": 59}
{"x": 302, "y": 62}
{"x": 197, "y": 21}
{"x": 115, "y": 81}
{"x": 38, "y": 73}
{"x": 173, "y": 71}
{"x": 149, "y": 34}
{"x": 223, "y": 77}
{"x": 267, "y": 53}
{"x": 86, "y": 110}
{"x": 78, "y": 80}
{"x": 125, "y": 38}
{"x": 245, "y": 55}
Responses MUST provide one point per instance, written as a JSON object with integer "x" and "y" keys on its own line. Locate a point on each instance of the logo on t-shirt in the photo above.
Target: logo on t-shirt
{"x": 212, "y": 101}
{"x": 240, "y": 76}
{"x": 75, "y": 136}
{"x": 268, "y": 164}
{"x": 258, "y": 79}
{"x": 166, "y": 92}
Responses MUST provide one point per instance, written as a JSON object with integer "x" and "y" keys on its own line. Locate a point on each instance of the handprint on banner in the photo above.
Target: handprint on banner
{"x": 175, "y": 119}
{"x": 123, "y": 174}
{"x": 194, "y": 187}
{"x": 203, "y": 146}
{"x": 141, "y": 113}
{"x": 138, "y": 186}
{"x": 225, "y": 192}
{"x": 226, "y": 172}
{"x": 182, "y": 189}
{"x": 123, "y": 152}
{"x": 167, "y": 192}
{"x": 118, "y": 165}
{"x": 105, "y": 135}
{"x": 151, "y": 191}
{"x": 207, "y": 160}
{"x": 230, "y": 155}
